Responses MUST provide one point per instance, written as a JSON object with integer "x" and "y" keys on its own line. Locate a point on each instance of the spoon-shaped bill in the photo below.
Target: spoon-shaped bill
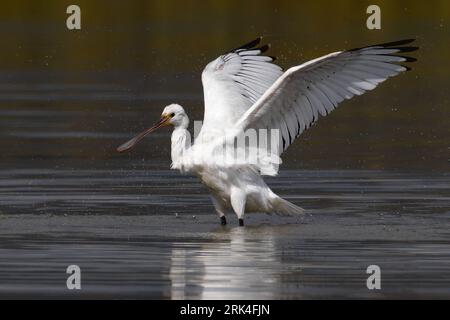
{"x": 131, "y": 143}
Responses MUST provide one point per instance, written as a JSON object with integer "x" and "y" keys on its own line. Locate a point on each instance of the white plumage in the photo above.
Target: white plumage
{"x": 245, "y": 91}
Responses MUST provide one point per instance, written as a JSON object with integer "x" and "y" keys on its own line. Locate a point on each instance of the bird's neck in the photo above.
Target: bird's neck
{"x": 180, "y": 143}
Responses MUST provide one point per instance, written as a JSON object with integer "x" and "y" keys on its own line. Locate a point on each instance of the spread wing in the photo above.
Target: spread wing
{"x": 295, "y": 101}
{"x": 233, "y": 82}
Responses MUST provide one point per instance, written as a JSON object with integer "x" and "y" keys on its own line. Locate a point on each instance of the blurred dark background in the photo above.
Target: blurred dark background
{"x": 68, "y": 98}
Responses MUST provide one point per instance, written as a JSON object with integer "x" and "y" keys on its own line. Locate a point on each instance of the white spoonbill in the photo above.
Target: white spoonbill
{"x": 244, "y": 90}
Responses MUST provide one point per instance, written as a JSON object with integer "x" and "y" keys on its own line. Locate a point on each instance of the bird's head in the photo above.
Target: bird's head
{"x": 172, "y": 115}
{"x": 175, "y": 116}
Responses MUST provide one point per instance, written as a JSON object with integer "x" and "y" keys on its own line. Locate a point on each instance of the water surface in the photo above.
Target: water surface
{"x": 153, "y": 234}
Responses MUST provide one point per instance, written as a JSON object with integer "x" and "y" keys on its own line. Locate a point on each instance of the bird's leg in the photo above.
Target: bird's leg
{"x": 220, "y": 210}
{"x": 238, "y": 198}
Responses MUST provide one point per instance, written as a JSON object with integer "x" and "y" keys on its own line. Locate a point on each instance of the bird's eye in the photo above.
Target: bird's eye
{"x": 172, "y": 114}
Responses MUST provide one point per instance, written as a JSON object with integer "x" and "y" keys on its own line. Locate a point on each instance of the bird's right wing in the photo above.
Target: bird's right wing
{"x": 233, "y": 82}
{"x": 315, "y": 88}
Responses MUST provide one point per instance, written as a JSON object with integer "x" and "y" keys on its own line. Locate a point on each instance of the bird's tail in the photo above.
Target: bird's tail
{"x": 285, "y": 208}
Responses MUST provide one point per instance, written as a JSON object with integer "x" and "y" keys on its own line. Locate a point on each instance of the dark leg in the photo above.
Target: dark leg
{"x": 238, "y": 198}
{"x": 223, "y": 220}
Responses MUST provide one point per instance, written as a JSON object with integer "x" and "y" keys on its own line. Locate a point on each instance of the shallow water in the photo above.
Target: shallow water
{"x": 153, "y": 234}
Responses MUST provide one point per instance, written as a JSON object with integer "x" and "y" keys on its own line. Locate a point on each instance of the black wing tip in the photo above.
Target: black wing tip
{"x": 408, "y": 59}
{"x": 406, "y": 49}
{"x": 250, "y": 45}
{"x": 253, "y": 45}
{"x": 407, "y": 68}
{"x": 396, "y": 43}
{"x": 392, "y": 45}
{"x": 264, "y": 48}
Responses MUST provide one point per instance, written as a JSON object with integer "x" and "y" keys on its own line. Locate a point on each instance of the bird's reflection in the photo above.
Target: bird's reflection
{"x": 241, "y": 264}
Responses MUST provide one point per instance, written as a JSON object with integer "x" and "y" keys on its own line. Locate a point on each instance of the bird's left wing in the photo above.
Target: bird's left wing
{"x": 233, "y": 82}
{"x": 295, "y": 101}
